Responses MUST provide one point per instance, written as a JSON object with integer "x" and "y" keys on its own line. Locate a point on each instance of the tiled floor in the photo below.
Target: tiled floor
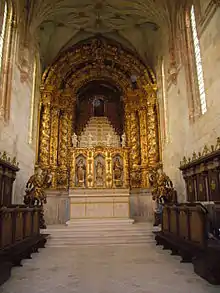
{"x": 140, "y": 268}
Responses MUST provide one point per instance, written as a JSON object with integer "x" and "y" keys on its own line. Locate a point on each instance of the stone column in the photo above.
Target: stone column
{"x": 144, "y": 145}
{"x": 44, "y": 137}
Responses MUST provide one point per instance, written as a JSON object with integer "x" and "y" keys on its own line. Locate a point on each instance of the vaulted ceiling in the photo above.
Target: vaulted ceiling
{"x": 140, "y": 25}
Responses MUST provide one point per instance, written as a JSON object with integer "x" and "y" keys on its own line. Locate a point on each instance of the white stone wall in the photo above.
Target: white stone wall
{"x": 14, "y": 135}
{"x": 185, "y": 136}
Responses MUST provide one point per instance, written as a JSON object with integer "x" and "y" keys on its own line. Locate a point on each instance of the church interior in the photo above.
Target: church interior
{"x": 109, "y": 146}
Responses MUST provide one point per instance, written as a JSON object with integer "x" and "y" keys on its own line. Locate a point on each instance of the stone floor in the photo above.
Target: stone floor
{"x": 140, "y": 268}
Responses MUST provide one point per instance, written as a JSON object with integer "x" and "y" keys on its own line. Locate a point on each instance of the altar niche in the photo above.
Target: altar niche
{"x": 104, "y": 168}
{"x": 98, "y": 107}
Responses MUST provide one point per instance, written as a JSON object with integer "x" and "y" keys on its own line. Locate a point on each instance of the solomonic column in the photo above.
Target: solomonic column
{"x": 143, "y": 145}
{"x": 135, "y": 157}
{"x": 55, "y": 116}
{"x": 152, "y": 131}
{"x": 44, "y": 132}
{"x": 55, "y": 113}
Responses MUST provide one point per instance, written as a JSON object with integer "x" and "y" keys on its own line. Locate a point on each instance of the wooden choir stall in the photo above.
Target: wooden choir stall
{"x": 192, "y": 229}
{"x": 19, "y": 224}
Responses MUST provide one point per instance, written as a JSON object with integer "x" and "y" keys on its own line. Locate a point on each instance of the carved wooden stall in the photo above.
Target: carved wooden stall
{"x": 202, "y": 174}
{"x": 19, "y": 225}
{"x": 19, "y": 237}
{"x": 185, "y": 231}
{"x": 8, "y": 169}
{"x": 192, "y": 229}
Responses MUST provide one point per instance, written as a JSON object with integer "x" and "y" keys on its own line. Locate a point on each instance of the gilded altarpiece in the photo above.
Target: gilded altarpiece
{"x": 141, "y": 127}
{"x": 99, "y": 167}
{"x": 57, "y": 116}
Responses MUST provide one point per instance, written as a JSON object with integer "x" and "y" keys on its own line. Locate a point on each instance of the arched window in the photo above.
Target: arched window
{"x": 164, "y": 102}
{"x": 31, "y": 121}
{"x": 7, "y": 45}
{"x": 198, "y": 61}
{"x": 3, "y": 31}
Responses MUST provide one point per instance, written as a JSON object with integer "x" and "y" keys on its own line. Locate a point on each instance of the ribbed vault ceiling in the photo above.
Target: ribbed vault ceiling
{"x": 136, "y": 24}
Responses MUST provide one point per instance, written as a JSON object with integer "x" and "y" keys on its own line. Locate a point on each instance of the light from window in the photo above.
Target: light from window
{"x": 31, "y": 122}
{"x": 2, "y": 35}
{"x": 198, "y": 60}
{"x": 164, "y": 98}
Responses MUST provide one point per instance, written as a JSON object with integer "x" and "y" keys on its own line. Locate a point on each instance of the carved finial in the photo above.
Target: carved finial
{"x": 205, "y": 151}
{"x": 184, "y": 160}
{"x": 217, "y": 147}
{"x": 194, "y": 156}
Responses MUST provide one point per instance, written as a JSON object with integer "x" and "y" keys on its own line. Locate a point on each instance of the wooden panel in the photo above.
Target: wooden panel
{"x": 201, "y": 188}
{"x": 183, "y": 223}
{"x": 173, "y": 220}
{"x": 213, "y": 185}
{"x": 35, "y": 222}
{"x": 165, "y": 219}
{"x": 7, "y": 229}
{"x": 19, "y": 222}
{"x": 196, "y": 223}
{"x": 28, "y": 224}
{"x": 191, "y": 191}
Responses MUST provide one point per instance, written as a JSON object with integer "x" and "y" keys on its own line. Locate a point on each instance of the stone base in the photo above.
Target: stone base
{"x": 99, "y": 203}
{"x": 56, "y": 211}
{"x": 141, "y": 205}
{"x": 88, "y": 224}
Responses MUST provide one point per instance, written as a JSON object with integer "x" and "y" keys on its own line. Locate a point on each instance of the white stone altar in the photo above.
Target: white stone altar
{"x": 99, "y": 203}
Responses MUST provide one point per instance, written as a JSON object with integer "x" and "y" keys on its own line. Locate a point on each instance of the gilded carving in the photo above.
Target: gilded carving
{"x": 152, "y": 135}
{"x": 141, "y": 149}
{"x": 63, "y": 140}
{"x": 44, "y": 156}
{"x": 134, "y": 140}
{"x": 54, "y": 136}
{"x": 80, "y": 173}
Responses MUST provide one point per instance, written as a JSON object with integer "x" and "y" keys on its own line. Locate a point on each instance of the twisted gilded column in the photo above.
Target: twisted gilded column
{"x": 44, "y": 132}
{"x": 63, "y": 150}
{"x": 135, "y": 157}
{"x": 127, "y": 127}
{"x": 55, "y": 112}
{"x": 152, "y": 130}
{"x": 144, "y": 145}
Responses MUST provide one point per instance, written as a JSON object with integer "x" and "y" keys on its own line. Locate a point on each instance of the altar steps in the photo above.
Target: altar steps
{"x": 99, "y": 233}
{"x": 99, "y": 128}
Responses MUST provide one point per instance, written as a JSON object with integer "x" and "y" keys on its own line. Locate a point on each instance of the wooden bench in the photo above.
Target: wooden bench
{"x": 19, "y": 237}
{"x": 185, "y": 231}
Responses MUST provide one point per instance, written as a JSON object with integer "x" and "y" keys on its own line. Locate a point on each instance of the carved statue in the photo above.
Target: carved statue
{"x": 117, "y": 172}
{"x": 108, "y": 139}
{"x": 90, "y": 140}
{"x": 123, "y": 140}
{"x": 80, "y": 173}
{"x": 35, "y": 194}
{"x": 99, "y": 173}
{"x": 35, "y": 187}
{"x": 74, "y": 140}
{"x": 162, "y": 192}
{"x": 162, "y": 187}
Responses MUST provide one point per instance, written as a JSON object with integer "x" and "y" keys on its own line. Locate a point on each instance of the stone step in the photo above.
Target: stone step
{"x": 96, "y": 232}
{"x": 98, "y": 242}
{"x": 116, "y": 222}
